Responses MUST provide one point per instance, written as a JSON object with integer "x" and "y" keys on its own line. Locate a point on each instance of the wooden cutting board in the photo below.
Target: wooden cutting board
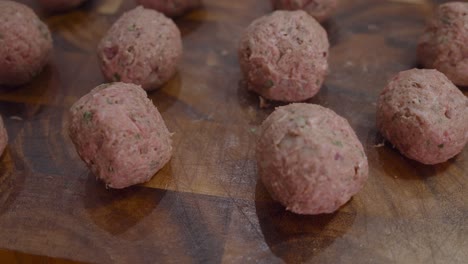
{"x": 207, "y": 205}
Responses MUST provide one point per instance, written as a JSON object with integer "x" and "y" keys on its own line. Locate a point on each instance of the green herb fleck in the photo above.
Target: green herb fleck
{"x": 269, "y": 83}
{"x": 253, "y": 130}
{"x": 337, "y": 143}
{"x": 440, "y": 146}
{"x": 103, "y": 86}
{"x": 88, "y": 116}
{"x": 442, "y": 39}
{"x": 132, "y": 27}
{"x": 110, "y": 169}
{"x": 44, "y": 30}
{"x": 445, "y": 20}
{"x": 301, "y": 121}
{"x": 116, "y": 77}
{"x": 109, "y": 101}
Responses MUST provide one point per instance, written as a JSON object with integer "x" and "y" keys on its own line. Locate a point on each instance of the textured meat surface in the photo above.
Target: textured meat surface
{"x": 443, "y": 45}
{"x": 424, "y": 115}
{"x": 25, "y": 44}
{"x": 284, "y": 56}
{"x": 171, "y": 8}
{"x": 142, "y": 47}
{"x": 310, "y": 159}
{"x": 319, "y": 9}
{"x": 119, "y": 134}
{"x": 60, "y": 5}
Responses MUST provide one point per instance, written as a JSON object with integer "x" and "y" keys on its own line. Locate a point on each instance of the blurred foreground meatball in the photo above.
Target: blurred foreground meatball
{"x": 319, "y": 9}
{"x": 283, "y": 56}
{"x": 424, "y": 116}
{"x": 142, "y": 47}
{"x": 310, "y": 159}
{"x": 172, "y": 8}
{"x": 60, "y": 5}
{"x": 25, "y": 44}
{"x": 3, "y": 136}
{"x": 119, "y": 134}
{"x": 444, "y": 43}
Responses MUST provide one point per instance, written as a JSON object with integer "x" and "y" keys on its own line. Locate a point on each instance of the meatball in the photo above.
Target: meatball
{"x": 310, "y": 159}
{"x": 119, "y": 134}
{"x": 319, "y": 9}
{"x": 25, "y": 44}
{"x": 3, "y": 137}
{"x": 443, "y": 44}
{"x": 424, "y": 116}
{"x": 60, "y": 5}
{"x": 143, "y": 47}
{"x": 172, "y": 8}
{"x": 283, "y": 56}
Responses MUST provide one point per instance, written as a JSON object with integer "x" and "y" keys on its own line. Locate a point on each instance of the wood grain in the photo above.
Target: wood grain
{"x": 207, "y": 205}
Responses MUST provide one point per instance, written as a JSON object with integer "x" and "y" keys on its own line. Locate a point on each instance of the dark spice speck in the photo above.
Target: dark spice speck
{"x": 117, "y": 77}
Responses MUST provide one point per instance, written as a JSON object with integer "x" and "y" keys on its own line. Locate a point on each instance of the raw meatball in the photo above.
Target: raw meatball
{"x": 3, "y": 137}
{"x": 284, "y": 56}
{"x": 119, "y": 134}
{"x": 310, "y": 159}
{"x": 143, "y": 47}
{"x": 60, "y": 5}
{"x": 171, "y": 8}
{"x": 424, "y": 116}
{"x": 25, "y": 44}
{"x": 319, "y": 9}
{"x": 443, "y": 45}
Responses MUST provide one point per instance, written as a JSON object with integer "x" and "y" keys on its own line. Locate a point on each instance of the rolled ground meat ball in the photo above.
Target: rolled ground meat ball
{"x": 3, "y": 137}
{"x": 142, "y": 47}
{"x": 283, "y": 56}
{"x": 310, "y": 159}
{"x": 119, "y": 134}
{"x": 25, "y": 44}
{"x": 172, "y": 8}
{"x": 319, "y": 9}
{"x": 443, "y": 45}
{"x": 60, "y": 5}
{"x": 424, "y": 116}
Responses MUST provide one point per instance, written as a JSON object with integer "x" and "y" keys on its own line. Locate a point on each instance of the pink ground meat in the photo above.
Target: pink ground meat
{"x": 310, "y": 159}
{"x": 319, "y": 9}
{"x": 25, "y": 44}
{"x": 60, "y": 5}
{"x": 119, "y": 134}
{"x": 444, "y": 43}
{"x": 283, "y": 56}
{"x": 424, "y": 116}
{"x": 142, "y": 47}
{"x": 171, "y": 8}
